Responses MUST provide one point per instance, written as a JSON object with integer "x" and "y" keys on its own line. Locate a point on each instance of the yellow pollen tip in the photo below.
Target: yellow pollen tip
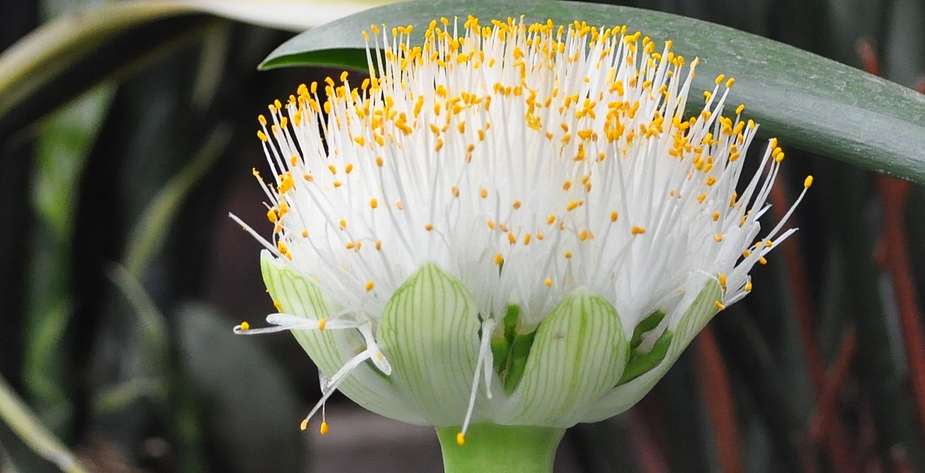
{"x": 278, "y": 305}
{"x": 373, "y": 203}
{"x": 460, "y": 439}
{"x": 763, "y": 260}
{"x": 719, "y": 305}
{"x": 718, "y": 237}
{"x": 748, "y": 286}
{"x": 324, "y": 428}
{"x": 322, "y": 323}
{"x": 637, "y": 230}
{"x": 808, "y": 182}
{"x": 499, "y": 259}
{"x": 304, "y": 425}
{"x": 613, "y": 216}
{"x": 429, "y": 227}
{"x": 245, "y": 326}
{"x": 568, "y": 254}
{"x": 370, "y": 285}
{"x": 548, "y": 282}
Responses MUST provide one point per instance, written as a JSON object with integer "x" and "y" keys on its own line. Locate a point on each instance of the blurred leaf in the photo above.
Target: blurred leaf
{"x": 291, "y": 15}
{"x": 62, "y": 150}
{"x": 17, "y": 415}
{"x": 808, "y": 101}
{"x": 149, "y": 233}
{"x": 61, "y": 59}
{"x": 245, "y": 395}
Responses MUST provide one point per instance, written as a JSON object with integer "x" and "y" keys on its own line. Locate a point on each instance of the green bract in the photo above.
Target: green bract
{"x": 430, "y": 333}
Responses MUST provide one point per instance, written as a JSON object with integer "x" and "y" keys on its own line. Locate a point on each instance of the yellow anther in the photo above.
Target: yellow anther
{"x": 282, "y": 247}
{"x": 379, "y": 161}
{"x": 460, "y": 439}
{"x": 573, "y": 205}
{"x": 370, "y": 285}
{"x": 718, "y": 237}
{"x": 613, "y": 216}
{"x": 245, "y": 326}
{"x": 271, "y": 216}
{"x": 637, "y": 230}
{"x": 304, "y": 233}
{"x": 373, "y": 203}
{"x": 762, "y": 260}
{"x": 719, "y": 305}
{"x": 278, "y": 305}
{"x": 262, "y": 120}
{"x": 808, "y": 182}
{"x": 483, "y": 192}
{"x": 304, "y": 425}
{"x": 337, "y": 184}
{"x": 511, "y": 238}
{"x": 548, "y": 282}
{"x": 730, "y": 82}
{"x": 583, "y": 235}
{"x": 378, "y": 245}
{"x": 343, "y": 224}
{"x": 748, "y": 286}
{"x": 262, "y": 136}
{"x": 348, "y": 168}
{"x": 740, "y": 109}
{"x": 324, "y": 428}
{"x": 722, "y": 280}
{"x": 567, "y": 254}
{"x": 516, "y": 204}
{"x": 716, "y": 216}
{"x": 720, "y": 78}
{"x": 499, "y": 259}
{"x": 428, "y": 227}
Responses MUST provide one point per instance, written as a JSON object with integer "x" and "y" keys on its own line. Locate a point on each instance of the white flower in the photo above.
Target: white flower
{"x": 521, "y": 208}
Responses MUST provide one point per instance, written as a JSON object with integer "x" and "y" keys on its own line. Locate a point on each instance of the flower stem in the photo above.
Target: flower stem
{"x": 491, "y": 448}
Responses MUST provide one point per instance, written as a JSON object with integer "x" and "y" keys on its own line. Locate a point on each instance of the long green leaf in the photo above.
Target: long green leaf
{"x": 808, "y": 101}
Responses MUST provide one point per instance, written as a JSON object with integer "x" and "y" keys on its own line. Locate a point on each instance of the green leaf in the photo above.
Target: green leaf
{"x": 16, "y": 414}
{"x": 806, "y": 100}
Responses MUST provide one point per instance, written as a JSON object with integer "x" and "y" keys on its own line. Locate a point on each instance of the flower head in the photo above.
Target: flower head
{"x": 523, "y": 208}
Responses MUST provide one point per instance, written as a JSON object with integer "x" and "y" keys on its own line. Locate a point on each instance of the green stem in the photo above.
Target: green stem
{"x": 491, "y": 448}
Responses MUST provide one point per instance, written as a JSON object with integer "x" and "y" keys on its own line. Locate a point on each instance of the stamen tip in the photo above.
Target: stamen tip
{"x": 460, "y": 439}
{"x": 304, "y": 425}
{"x": 324, "y": 428}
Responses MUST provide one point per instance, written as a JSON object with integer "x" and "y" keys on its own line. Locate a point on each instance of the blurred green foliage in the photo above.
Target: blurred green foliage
{"x": 122, "y": 276}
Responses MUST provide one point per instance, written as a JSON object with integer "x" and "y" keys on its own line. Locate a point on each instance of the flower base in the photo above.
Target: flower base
{"x": 493, "y": 448}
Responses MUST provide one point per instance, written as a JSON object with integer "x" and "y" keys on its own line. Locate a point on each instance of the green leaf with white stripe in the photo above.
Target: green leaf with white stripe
{"x": 579, "y": 353}
{"x": 330, "y": 349}
{"x": 429, "y": 331}
{"x": 699, "y": 311}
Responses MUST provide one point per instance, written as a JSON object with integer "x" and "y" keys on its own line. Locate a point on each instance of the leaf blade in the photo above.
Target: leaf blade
{"x": 808, "y": 101}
